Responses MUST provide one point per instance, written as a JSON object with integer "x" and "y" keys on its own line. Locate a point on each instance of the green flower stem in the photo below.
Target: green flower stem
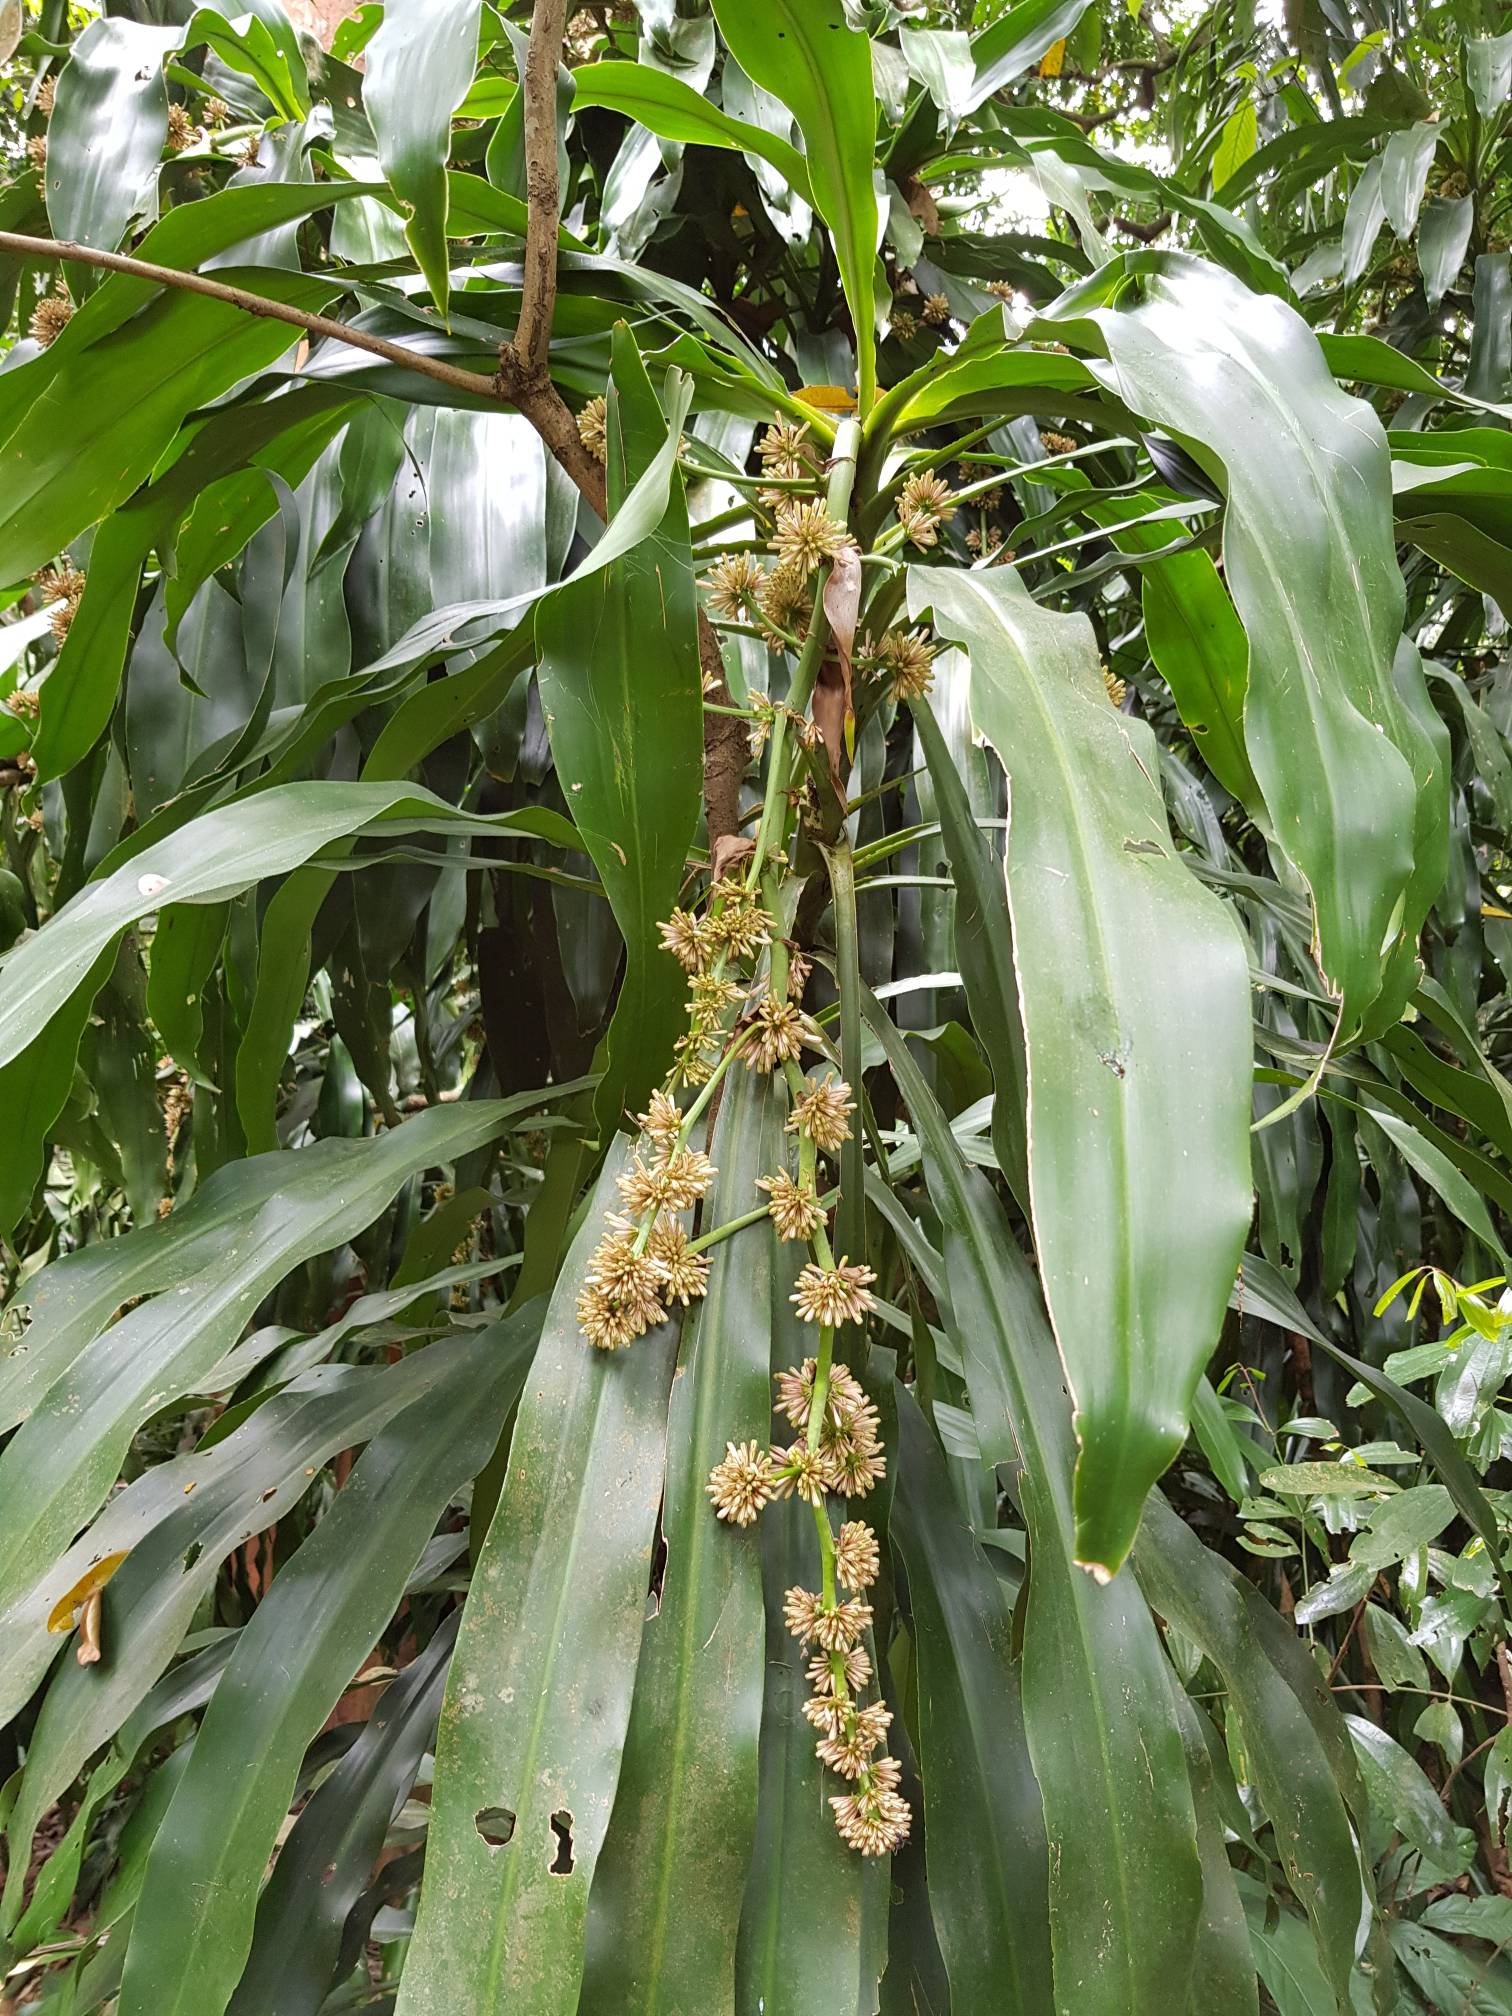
{"x": 741, "y": 479}
{"x": 719, "y": 549}
{"x": 705, "y": 1094}
{"x": 722, "y": 520}
{"x": 837, "y": 502}
{"x": 751, "y": 630}
{"x": 936, "y": 458}
{"x": 827, "y": 1565}
{"x": 742, "y": 1223}
{"x": 898, "y": 783}
{"x": 850, "y": 1218}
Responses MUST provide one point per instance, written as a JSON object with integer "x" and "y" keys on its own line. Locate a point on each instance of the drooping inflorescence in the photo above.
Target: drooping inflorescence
{"x": 837, "y": 1453}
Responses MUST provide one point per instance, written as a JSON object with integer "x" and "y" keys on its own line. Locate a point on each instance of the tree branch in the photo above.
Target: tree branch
{"x": 524, "y": 373}
{"x": 525, "y": 379}
{"x": 525, "y": 363}
{"x": 532, "y": 342}
{"x": 473, "y": 383}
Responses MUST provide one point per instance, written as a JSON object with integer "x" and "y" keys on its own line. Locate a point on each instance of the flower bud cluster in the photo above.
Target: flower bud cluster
{"x": 838, "y": 1452}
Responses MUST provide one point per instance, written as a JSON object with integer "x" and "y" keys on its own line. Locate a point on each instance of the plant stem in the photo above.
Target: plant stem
{"x": 742, "y": 1224}
{"x": 837, "y": 503}
{"x": 850, "y": 1220}
{"x": 473, "y": 383}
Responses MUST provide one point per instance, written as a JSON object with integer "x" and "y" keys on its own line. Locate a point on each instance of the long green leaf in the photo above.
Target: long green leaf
{"x": 665, "y": 105}
{"x": 538, "y": 1700}
{"x": 420, "y": 65}
{"x": 429, "y": 713}
{"x": 685, "y": 1809}
{"x": 109, "y": 410}
{"x": 106, "y": 135}
{"x": 984, "y": 947}
{"x": 1125, "y": 1879}
{"x": 306, "y": 1638}
{"x": 215, "y": 857}
{"x": 620, "y": 689}
{"x": 986, "y": 1848}
{"x": 174, "y": 1550}
{"x": 1294, "y": 1736}
{"x": 324, "y": 1864}
{"x": 1198, "y": 647}
{"x": 86, "y": 1388}
{"x": 1017, "y": 39}
{"x": 1139, "y": 1068}
{"x": 1223, "y": 1973}
{"x": 806, "y": 53}
{"x": 1357, "y": 795}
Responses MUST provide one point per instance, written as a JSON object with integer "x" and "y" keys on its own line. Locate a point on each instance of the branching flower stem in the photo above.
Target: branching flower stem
{"x": 837, "y": 502}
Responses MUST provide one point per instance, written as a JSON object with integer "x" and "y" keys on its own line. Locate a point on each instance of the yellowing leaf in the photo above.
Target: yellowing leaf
{"x": 1235, "y": 144}
{"x": 828, "y": 398}
{"x": 65, "y": 1612}
{"x": 1325, "y": 1480}
{"x": 1053, "y": 60}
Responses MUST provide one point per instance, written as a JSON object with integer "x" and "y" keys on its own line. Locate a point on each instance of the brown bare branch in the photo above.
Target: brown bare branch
{"x": 525, "y": 379}
{"x": 543, "y": 194}
{"x": 471, "y": 382}
{"x": 525, "y": 363}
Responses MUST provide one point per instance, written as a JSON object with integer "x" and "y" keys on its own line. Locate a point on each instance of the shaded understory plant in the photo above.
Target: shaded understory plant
{"x": 754, "y": 1010}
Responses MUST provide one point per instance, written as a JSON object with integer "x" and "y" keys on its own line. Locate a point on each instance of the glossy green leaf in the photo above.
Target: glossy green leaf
{"x": 258, "y": 43}
{"x": 1357, "y": 799}
{"x": 1443, "y": 239}
{"x": 538, "y": 1700}
{"x": 293, "y": 1660}
{"x": 1491, "y": 344}
{"x": 984, "y": 947}
{"x": 806, "y": 53}
{"x": 419, "y": 66}
{"x": 685, "y": 1809}
{"x": 1138, "y": 1088}
{"x": 1198, "y": 646}
{"x": 665, "y": 105}
{"x": 1018, "y": 38}
{"x": 987, "y": 1855}
{"x": 426, "y": 719}
{"x": 1405, "y": 162}
{"x": 324, "y": 1863}
{"x": 177, "y": 1538}
{"x": 106, "y": 136}
{"x": 1223, "y": 1971}
{"x": 1404, "y": 1797}
{"x": 77, "y": 703}
{"x": 1454, "y": 1977}
{"x": 215, "y": 857}
{"x": 82, "y": 1389}
{"x": 1103, "y": 1737}
{"x": 1488, "y": 63}
{"x": 1294, "y": 1738}
{"x": 108, "y": 411}
{"x": 620, "y": 688}
{"x": 35, "y": 1086}
{"x": 185, "y": 947}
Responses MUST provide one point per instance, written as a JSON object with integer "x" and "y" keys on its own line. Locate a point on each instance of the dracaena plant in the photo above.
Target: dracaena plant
{"x": 756, "y": 919}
